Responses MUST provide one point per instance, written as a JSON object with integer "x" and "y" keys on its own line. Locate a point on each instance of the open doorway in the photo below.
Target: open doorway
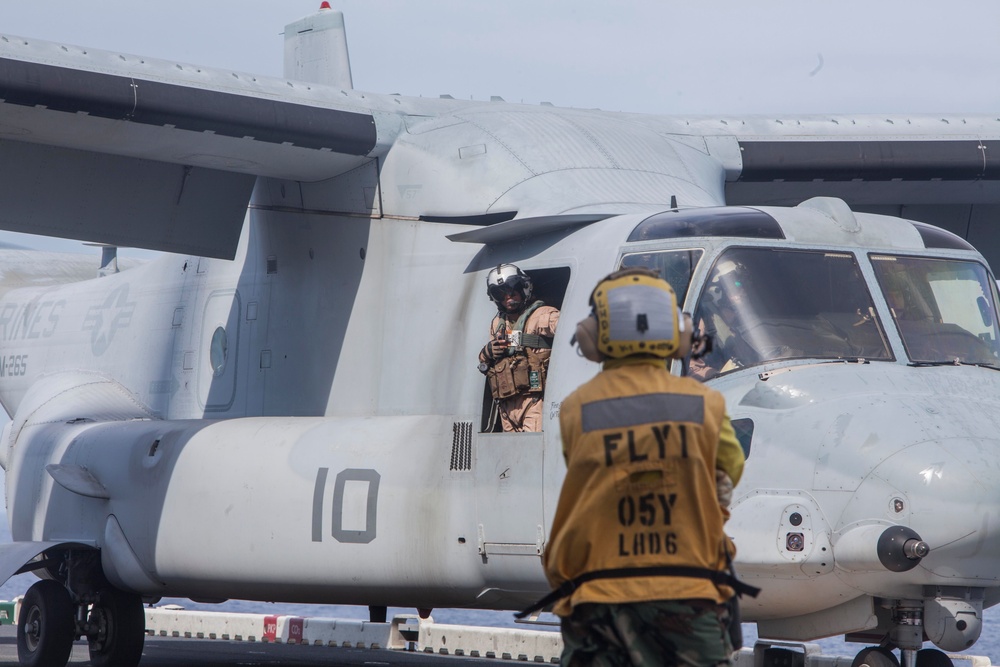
{"x": 550, "y": 288}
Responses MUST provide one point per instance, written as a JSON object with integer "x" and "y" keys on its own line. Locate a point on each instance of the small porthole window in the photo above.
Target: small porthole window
{"x": 219, "y": 351}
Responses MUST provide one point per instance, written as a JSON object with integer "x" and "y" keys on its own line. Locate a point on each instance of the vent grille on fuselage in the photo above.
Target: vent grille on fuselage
{"x": 461, "y": 446}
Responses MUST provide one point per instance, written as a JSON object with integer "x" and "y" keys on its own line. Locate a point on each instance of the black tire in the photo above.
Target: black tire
{"x": 46, "y": 626}
{"x": 121, "y": 630}
{"x": 931, "y": 657}
{"x": 875, "y": 656}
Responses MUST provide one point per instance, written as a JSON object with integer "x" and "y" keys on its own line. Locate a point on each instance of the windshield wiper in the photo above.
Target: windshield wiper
{"x": 953, "y": 362}
{"x": 765, "y": 375}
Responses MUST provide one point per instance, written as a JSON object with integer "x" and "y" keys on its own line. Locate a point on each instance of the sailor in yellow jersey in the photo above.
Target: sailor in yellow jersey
{"x": 637, "y": 550}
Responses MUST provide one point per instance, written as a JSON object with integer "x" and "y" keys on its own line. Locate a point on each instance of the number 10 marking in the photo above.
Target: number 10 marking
{"x": 348, "y": 475}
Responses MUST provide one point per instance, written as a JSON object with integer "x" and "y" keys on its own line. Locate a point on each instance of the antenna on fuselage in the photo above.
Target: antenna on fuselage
{"x": 109, "y": 259}
{"x": 316, "y": 49}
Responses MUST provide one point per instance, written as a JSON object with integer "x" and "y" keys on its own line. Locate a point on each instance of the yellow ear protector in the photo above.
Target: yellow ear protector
{"x": 634, "y": 312}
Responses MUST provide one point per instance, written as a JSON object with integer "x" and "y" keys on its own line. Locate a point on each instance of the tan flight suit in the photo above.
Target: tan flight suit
{"x": 522, "y": 409}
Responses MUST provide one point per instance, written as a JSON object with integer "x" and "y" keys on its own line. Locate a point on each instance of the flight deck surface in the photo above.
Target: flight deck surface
{"x": 184, "y": 652}
{"x": 181, "y": 652}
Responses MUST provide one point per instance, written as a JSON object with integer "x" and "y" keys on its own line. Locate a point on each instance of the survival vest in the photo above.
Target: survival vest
{"x": 638, "y": 519}
{"x": 523, "y": 369}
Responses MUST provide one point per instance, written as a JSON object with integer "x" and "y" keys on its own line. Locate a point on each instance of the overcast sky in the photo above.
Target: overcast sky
{"x": 656, "y": 56}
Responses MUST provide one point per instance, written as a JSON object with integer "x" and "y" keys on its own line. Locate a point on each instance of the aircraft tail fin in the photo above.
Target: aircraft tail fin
{"x": 316, "y": 49}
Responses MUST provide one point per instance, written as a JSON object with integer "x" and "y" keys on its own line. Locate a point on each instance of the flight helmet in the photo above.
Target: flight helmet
{"x": 634, "y": 312}
{"x": 508, "y": 277}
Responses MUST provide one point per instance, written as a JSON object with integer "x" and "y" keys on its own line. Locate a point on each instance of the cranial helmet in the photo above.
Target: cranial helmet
{"x": 508, "y": 277}
{"x": 729, "y": 275}
{"x": 634, "y": 312}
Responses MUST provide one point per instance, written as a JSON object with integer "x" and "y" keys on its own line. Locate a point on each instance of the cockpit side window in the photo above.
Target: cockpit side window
{"x": 675, "y": 266}
{"x": 767, "y": 304}
{"x": 945, "y": 309}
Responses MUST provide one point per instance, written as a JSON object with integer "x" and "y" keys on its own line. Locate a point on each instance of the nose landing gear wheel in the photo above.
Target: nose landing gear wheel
{"x": 46, "y": 626}
{"x": 875, "y": 656}
{"x": 931, "y": 657}
{"x": 119, "y": 624}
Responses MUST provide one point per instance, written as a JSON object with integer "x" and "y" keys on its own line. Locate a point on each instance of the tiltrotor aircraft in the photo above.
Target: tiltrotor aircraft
{"x": 286, "y": 405}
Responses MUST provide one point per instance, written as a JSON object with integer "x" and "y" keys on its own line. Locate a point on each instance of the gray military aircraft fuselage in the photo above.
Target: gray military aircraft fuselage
{"x": 290, "y": 408}
{"x": 861, "y": 414}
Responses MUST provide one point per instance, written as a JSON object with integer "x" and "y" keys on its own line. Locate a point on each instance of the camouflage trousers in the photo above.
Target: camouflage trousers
{"x": 688, "y": 633}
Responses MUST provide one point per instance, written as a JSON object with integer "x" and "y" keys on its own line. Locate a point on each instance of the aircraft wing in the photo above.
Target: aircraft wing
{"x": 140, "y": 152}
{"x": 940, "y": 169}
{"x": 132, "y": 151}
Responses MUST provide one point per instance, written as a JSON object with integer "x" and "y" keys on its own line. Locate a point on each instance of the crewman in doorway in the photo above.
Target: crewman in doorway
{"x": 637, "y": 554}
{"x": 516, "y": 359}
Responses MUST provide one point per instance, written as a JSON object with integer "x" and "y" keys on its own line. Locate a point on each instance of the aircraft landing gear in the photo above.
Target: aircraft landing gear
{"x": 76, "y": 600}
{"x": 45, "y": 626}
{"x": 875, "y": 656}
{"x": 116, "y": 629}
{"x": 50, "y": 620}
{"x": 931, "y": 657}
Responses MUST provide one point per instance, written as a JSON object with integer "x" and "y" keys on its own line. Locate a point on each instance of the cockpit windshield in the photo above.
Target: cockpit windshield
{"x": 944, "y": 308}
{"x": 766, "y": 304}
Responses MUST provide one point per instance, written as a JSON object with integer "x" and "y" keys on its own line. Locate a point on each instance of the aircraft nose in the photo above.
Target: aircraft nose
{"x": 923, "y": 526}
{"x": 947, "y": 494}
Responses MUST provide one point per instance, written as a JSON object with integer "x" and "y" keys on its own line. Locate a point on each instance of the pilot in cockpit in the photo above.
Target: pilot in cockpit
{"x": 722, "y": 316}
{"x": 904, "y": 305}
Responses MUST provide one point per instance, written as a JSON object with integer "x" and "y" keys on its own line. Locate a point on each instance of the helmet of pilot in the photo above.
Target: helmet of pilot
{"x": 728, "y": 280}
{"x": 506, "y": 278}
{"x": 634, "y": 313}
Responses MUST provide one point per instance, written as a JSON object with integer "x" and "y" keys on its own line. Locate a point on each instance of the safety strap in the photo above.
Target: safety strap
{"x": 568, "y": 587}
{"x": 534, "y": 340}
{"x": 528, "y": 340}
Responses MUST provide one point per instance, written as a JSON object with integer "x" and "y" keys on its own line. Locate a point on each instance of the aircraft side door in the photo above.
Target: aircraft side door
{"x": 508, "y": 474}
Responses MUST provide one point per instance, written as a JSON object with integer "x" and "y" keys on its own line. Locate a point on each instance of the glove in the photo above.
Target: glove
{"x": 498, "y": 348}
